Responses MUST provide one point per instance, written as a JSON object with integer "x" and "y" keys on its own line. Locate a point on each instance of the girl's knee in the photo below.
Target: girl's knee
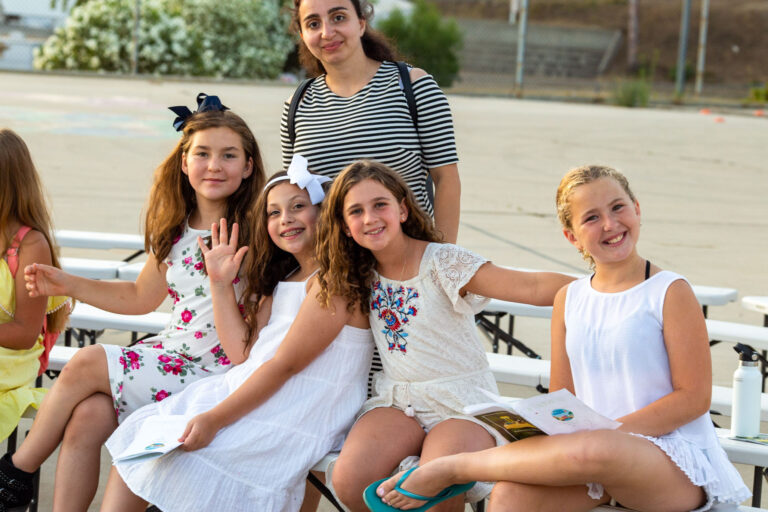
{"x": 92, "y": 422}
{"x": 594, "y": 451}
{"x": 88, "y": 361}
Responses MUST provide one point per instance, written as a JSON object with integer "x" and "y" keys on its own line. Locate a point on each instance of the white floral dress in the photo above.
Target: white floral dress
{"x": 186, "y": 350}
{"x": 426, "y": 335}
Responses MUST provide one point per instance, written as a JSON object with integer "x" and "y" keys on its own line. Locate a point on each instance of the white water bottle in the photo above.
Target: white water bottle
{"x": 747, "y": 384}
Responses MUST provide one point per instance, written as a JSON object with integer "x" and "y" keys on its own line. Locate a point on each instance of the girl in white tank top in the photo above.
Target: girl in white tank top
{"x": 631, "y": 342}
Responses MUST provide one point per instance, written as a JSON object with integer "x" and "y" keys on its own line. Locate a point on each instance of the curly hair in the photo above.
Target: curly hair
{"x": 581, "y": 176}
{"x": 376, "y": 46}
{"x": 172, "y": 199}
{"x": 22, "y": 200}
{"x": 347, "y": 269}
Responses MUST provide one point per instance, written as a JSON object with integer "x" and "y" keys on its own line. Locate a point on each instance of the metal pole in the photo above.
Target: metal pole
{"x": 632, "y": 36}
{"x": 702, "y": 51}
{"x": 135, "y": 53}
{"x": 520, "y": 63}
{"x": 680, "y": 77}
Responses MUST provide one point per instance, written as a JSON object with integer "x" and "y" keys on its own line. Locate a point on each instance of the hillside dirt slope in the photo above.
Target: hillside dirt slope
{"x": 737, "y": 37}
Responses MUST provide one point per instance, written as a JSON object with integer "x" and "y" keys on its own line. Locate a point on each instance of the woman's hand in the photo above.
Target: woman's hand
{"x": 223, "y": 259}
{"x": 45, "y": 280}
{"x": 200, "y": 432}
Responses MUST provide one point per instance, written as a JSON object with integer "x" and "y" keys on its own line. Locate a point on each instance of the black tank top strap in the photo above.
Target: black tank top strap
{"x": 647, "y": 269}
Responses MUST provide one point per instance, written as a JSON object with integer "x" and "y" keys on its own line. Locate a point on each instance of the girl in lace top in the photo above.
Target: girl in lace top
{"x": 378, "y": 246}
{"x": 630, "y": 341}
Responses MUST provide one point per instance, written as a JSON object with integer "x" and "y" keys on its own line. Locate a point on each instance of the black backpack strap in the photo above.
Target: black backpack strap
{"x": 295, "y": 100}
{"x": 405, "y": 79}
{"x": 324, "y": 490}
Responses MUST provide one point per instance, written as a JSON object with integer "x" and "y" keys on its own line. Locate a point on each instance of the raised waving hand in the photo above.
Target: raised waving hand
{"x": 223, "y": 259}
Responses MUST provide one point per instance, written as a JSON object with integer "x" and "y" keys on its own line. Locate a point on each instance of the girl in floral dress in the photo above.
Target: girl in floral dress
{"x": 214, "y": 172}
{"x": 421, "y": 297}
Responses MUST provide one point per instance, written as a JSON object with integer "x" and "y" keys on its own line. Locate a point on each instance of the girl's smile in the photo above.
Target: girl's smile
{"x": 291, "y": 219}
{"x": 373, "y": 215}
{"x": 606, "y": 222}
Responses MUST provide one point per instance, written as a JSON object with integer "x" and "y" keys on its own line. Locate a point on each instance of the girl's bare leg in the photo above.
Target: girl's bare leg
{"x": 626, "y": 465}
{"x": 119, "y": 498}
{"x": 509, "y": 496}
{"x": 77, "y": 469}
{"x": 312, "y": 495}
{"x": 375, "y": 446}
{"x": 83, "y": 376}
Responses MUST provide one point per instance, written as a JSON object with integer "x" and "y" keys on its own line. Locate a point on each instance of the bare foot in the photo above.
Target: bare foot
{"x": 427, "y": 480}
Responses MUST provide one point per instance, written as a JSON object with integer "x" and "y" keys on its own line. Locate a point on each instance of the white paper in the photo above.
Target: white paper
{"x": 157, "y": 436}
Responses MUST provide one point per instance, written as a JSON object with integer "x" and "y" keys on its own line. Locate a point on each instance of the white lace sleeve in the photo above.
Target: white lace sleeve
{"x": 452, "y": 268}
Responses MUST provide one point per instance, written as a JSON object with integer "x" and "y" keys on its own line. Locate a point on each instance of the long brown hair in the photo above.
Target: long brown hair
{"x": 22, "y": 200}
{"x": 172, "y": 199}
{"x": 346, "y": 269}
{"x": 375, "y": 44}
{"x": 265, "y": 263}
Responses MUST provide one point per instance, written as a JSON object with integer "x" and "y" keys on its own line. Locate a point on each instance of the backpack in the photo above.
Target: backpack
{"x": 12, "y": 259}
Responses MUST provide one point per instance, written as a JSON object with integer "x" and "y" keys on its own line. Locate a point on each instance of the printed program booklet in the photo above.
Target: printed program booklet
{"x": 157, "y": 436}
{"x": 759, "y": 439}
{"x": 554, "y": 413}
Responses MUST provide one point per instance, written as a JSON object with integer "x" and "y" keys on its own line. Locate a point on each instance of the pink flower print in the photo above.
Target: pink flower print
{"x": 198, "y": 335}
{"x": 187, "y": 260}
{"x": 123, "y": 362}
{"x": 186, "y": 316}
{"x": 134, "y": 357}
{"x": 223, "y": 361}
{"x": 158, "y": 345}
{"x": 199, "y": 265}
{"x": 215, "y": 350}
{"x": 236, "y": 280}
{"x": 174, "y": 295}
{"x": 167, "y": 368}
{"x": 241, "y": 308}
{"x": 178, "y": 237}
{"x": 161, "y": 395}
{"x": 164, "y": 358}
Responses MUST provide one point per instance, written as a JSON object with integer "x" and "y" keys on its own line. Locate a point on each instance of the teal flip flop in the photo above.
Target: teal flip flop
{"x": 374, "y": 503}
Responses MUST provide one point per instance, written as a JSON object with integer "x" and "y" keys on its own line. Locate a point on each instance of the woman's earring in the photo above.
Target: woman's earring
{"x": 349, "y": 233}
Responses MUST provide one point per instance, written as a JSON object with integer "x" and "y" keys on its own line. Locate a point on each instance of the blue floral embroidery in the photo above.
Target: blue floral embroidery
{"x": 394, "y": 306}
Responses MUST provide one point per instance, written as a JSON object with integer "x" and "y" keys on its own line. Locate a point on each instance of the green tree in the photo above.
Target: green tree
{"x": 426, "y": 40}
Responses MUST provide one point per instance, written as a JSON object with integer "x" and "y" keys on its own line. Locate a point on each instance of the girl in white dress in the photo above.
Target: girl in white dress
{"x": 631, "y": 342}
{"x": 421, "y": 296}
{"x": 254, "y": 432}
{"x": 214, "y": 171}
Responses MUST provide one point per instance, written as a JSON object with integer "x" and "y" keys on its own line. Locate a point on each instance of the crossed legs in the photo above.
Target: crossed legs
{"x": 384, "y": 436}
{"x": 548, "y": 473}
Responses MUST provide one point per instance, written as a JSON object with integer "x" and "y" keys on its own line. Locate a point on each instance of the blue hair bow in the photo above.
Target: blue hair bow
{"x": 205, "y": 103}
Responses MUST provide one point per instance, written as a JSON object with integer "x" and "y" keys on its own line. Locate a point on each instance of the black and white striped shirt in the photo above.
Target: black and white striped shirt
{"x": 374, "y": 123}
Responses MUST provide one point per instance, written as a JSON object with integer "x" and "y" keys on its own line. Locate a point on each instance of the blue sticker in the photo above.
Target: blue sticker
{"x": 562, "y": 414}
{"x": 154, "y": 446}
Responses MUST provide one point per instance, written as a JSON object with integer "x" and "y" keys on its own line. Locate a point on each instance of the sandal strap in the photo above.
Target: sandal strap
{"x": 410, "y": 494}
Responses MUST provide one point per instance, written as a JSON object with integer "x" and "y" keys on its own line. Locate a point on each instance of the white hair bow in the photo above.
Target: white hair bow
{"x": 299, "y": 175}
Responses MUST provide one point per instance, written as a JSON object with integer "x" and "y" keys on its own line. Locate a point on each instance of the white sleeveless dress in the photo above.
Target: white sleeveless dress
{"x": 619, "y": 362}
{"x": 261, "y": 461}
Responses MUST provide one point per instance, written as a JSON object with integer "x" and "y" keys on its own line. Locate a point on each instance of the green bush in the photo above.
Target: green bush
{"x": 426, "y": 40}
{"x": 181, "y": 37}
{"x": 632, "y": 93}
{"x": 759, "y": 93}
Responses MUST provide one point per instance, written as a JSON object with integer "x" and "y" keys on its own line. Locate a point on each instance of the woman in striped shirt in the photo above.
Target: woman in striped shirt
{"x": 356, "y": 108}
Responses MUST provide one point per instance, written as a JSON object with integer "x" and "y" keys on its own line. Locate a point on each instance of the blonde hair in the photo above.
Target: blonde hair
{"x": 581, "y": 176}
{"x": 22, "y": 200}
{"x": 346, "y": 269}
{"x": 172, "y": 199}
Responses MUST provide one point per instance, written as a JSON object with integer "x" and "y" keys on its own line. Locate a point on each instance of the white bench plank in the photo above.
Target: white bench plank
{"x": 96, "y": 240}
{"x": 91, "y": 268}
{"x": 85, "y": 316}
{"x": 130, "y": 271}
{"x": 732, "y": 332}
{"x": 756, "y": 303}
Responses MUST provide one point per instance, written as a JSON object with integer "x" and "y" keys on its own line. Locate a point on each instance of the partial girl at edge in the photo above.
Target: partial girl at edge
{"x": 631, "y": 342}
{"x": 28, "y": 326}
{"x": 255, "y": 431}
{"x": 356, "y": 108}
{"x": 214, "y": 171}
{"x": 378, "y": 245}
